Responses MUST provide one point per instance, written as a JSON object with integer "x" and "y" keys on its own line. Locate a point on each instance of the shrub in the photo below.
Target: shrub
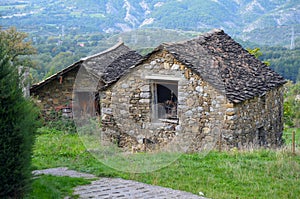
{"x": 18, "y": 123}
{"x": 62, "y": 123}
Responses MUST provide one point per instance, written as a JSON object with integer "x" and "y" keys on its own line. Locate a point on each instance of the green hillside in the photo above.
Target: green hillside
{"x": 260, "y": 21}
{"x": 65, "y": 31}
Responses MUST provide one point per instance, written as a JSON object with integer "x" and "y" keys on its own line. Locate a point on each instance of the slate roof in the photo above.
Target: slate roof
{"x": 119, "y": 67}
{"x": 107, "y": 66}
{"x": 226, "y": 65}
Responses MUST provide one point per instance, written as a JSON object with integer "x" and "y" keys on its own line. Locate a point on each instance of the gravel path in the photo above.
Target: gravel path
{"x": 110, "y": 188}
{"x": 64, "y": 171}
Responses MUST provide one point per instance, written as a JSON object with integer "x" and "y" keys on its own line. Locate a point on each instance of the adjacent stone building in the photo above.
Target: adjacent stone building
{"x": 205, "y": 90}
{"x": 74, "y": 90}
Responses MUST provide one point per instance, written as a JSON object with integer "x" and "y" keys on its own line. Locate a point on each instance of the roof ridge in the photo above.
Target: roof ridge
{"x": 120, "y": 43}
{"x": 214, "y": 31}
{"x": 70, "y": 67}
{"x": 226, "y": 65}
{"x": 197, "y": 38}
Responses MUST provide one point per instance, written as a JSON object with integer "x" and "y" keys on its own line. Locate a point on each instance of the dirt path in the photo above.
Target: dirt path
{"x": 111, "y": 188}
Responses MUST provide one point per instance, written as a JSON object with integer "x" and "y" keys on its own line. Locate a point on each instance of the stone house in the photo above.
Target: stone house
{"x": 208, "y": 88}
{"x": 77, "y": 85}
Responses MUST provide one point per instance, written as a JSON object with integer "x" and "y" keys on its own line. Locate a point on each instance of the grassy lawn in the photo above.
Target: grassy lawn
{"x": 236, "y": 174}
{"x": 47, "y": 186}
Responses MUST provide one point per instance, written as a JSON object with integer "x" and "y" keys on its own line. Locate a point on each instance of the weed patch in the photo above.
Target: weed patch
{"x": 47, "y": 186}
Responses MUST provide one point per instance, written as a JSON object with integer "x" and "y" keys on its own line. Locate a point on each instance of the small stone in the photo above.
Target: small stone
{"x": 108, "y": 93}
{"x": 200, "y": 109}
{"x": 145, "y": 88}
{"x": 175, "y": 67}
{"x": 229, "y": 105}
{"x": 145, "y": 95}
{"x": 230, "y": 113}
{"x": 232, "y": 117}
{"x": 189, "y": 113}
{"x": 148, "y": 66}
{"x": 125, "y": 86}
{"x": 178, "y": 128}
{"x": 144, "y": 101}
{"x": 153, "y": 63}
{"x": 187, "y": 74}
{"x": 191, "y": 88}
{"x": 123, "y": 112}
{"x": 166, "y": 65}
{"x": 195, "y": 129}
{"x": 190, "y": 102}
{"x": 169, "y": 128}
{"x": 206, "y": 130}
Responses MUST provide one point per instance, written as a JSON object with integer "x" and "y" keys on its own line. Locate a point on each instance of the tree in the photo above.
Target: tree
{"x": 292, "y": 104}
{"x": 19, "y": 50}
{"x": 257, "y": 53}
{"x": 16, "y": 47}
{"x": 18, "y": 124}
{"x": 60, "y": 61}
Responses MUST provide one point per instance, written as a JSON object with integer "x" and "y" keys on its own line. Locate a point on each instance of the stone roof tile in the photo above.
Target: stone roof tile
{"x": 107, "y": 66}
{"x": 119, "y": 67}
{"x": 226, "y": 65}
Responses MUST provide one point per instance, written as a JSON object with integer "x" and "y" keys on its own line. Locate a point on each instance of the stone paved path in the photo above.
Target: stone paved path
{"x": 110, "y": 188}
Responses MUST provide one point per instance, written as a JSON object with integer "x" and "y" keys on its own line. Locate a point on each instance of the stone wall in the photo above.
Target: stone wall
{"x": 257, "y": 122}
{"x": 55, "y": 93}
{"x": 127, "y": 106}
{"x": 206, "y": 118}
{"x": 75, "y": 89}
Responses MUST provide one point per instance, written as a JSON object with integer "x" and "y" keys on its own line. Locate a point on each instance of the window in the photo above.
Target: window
{"x": 261, "y": 136}
{"x": 263, "y": 101}
{"x": 165, "y": 100}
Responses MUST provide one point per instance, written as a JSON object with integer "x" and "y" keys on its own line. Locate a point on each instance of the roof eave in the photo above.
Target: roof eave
{"x": 54, "y": 76}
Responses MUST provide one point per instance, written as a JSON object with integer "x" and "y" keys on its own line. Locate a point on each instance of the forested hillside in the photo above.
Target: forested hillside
{"x": 56, "y": 53}
{"x": 64, "y": 31}
{"x": 284, "y": 60}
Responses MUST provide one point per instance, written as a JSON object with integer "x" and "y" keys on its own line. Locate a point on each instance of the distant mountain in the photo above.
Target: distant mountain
{"x": 272, "y": 22}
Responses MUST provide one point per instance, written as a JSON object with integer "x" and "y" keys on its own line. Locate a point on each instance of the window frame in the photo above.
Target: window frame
{"x": 154, "y": 101}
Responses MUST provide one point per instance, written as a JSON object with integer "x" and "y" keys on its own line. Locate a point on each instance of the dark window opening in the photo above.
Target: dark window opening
{"x": 263, "y": 101}
{"x": 261, "y": 137}
{"x": 165, "y": 99}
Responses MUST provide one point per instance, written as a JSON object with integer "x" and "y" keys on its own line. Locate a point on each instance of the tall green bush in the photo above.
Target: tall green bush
{"x": 292, "y": 105}
{"x": 18, "y": 123}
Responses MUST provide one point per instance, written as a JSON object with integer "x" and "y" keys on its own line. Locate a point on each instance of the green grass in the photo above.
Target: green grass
{"x": 235, "y": 174}
{"x": 47, "y": 186}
